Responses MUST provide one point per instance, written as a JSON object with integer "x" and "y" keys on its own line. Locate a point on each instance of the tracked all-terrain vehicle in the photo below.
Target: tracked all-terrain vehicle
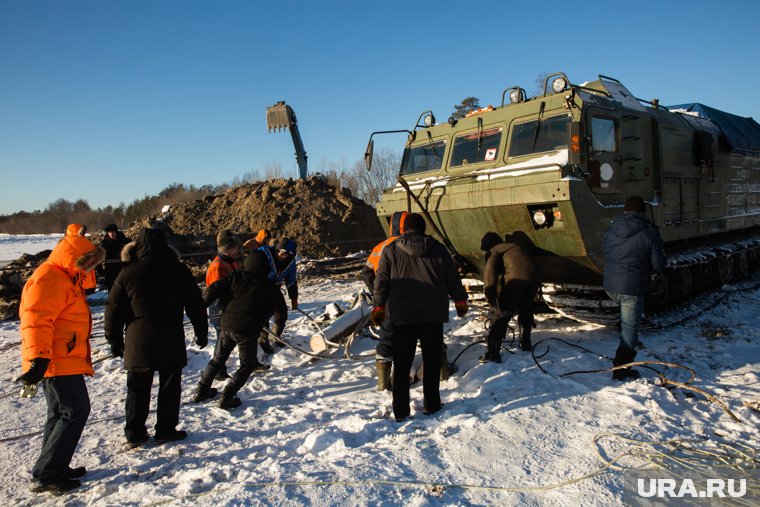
{"x": 560, "y": 165}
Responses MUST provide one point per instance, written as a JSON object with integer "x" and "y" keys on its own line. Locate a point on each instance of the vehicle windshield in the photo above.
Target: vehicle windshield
{"x": 473, "y": 148}
{"x": 553, "y": 134}
{"x": 424, "y": 157}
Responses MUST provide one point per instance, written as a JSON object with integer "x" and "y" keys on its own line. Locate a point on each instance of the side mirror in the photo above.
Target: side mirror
{"x": 368, "y": 154}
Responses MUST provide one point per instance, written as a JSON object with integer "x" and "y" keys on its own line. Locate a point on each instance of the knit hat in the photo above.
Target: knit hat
{"x": 489, "y": 240}
{"x": 226, "y": 241}
{"x": 287, "y": 245}
{"x": 414, "y": 223}
{"x": 634, "y": 203}
{"x": 111, "y": 228}
{"x": 257, "y": 264}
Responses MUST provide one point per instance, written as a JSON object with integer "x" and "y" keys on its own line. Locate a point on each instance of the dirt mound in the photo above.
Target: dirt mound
{"x": 325, "y": 221}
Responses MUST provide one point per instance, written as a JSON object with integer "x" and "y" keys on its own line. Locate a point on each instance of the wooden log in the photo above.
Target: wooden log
{"x": 340, "y": 329}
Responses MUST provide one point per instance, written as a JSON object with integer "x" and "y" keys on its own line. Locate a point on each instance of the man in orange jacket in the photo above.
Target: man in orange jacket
{"x": 227, "y": 261}
{"x": 55, "y": 349}
{"x": 384, "y": 349}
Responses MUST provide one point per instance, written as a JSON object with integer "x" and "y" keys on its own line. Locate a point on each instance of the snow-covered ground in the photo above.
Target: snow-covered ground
{"x": 12, "y": 246}
{"x": 318, "y": 432}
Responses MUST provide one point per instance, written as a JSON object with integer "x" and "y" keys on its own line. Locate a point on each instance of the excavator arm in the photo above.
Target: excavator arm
{"x": 281, "y": 116}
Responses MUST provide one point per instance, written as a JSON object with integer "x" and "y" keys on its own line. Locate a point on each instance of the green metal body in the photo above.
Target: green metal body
{"x": 645, "y": 150}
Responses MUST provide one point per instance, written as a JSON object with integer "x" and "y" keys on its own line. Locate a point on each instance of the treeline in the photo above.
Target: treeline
{"x": 62, "y": 212}
{"x": 366, "y": 185}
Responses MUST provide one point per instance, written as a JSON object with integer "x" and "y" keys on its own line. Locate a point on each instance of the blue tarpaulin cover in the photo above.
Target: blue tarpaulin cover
{"x": 741, "y": 133}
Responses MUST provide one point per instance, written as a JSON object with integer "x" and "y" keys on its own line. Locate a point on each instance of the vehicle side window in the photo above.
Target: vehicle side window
{"x": 553, "y": 134}
{"x": 424, "y": 157}
{"x": 482, "y": 146}
{"x": 603, "y": 135}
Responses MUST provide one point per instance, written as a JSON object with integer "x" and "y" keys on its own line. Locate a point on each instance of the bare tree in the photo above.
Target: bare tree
{"x": 273, "y": 170}
{"x": 370, "y": 184}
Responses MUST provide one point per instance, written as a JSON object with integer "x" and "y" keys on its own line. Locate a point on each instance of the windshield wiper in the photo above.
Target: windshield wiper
{"x": 432, "y": 146}
{"x": 538, "y": 126}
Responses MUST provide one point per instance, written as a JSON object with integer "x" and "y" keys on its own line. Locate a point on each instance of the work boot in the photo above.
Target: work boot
{"x": 525, "y": 343}
{"x": 57, "y": 488}
{"x": 490, "y": 357}
{"x": 445, "y": 368}
{"x": 624, "y": 356}
{"x": 75, "y": 473}
{"x": 229, "y": 400}
{"x": 169, "y": 436}
{"x": 204, "y": 393}
{"x": 261, "y": 368}
{"x": 383, "y": 375}
{"x": 264, "y": 342}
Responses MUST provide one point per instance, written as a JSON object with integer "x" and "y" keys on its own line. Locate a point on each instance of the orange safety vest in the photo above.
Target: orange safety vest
{"x": 374, "y": 257}
{"x": 219, "y": 268}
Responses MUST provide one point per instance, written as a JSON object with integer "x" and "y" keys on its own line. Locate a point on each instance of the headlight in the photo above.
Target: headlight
{"x": 539, "y": 217}
{"x": 515, "y": 96}
{"x": 559, "y": 84}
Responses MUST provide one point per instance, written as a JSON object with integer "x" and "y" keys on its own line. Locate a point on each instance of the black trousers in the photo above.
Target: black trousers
{"x": 247, "y": 350}
{"x": 68, "y": 407}
{"x": 513, "y": 300}
{"x": 384, "y": 349}
{"x": 430, "y": 336}
{"x": 137, "y": 406}
{"x": 280, "y": 317}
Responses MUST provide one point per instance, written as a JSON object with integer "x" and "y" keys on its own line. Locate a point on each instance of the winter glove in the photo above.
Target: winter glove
{"x": 377, "y": 316}
{"x": 461, "y": 307}
{"x": 201, "y": 340}
{"x": 35, "y": 372}
{"x": 117, "y": 349}
{"x": 294, "y": 303}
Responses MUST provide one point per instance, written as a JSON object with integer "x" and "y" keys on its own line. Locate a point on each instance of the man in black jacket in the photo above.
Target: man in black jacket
{"x": 633, "y": 250}
{"x": 510, "y": 283}
{"x": 251, "y": 295}
{"x": 415, "y": 277}
{"x": 113, "y": 242}
{"x": 150, "y": 297}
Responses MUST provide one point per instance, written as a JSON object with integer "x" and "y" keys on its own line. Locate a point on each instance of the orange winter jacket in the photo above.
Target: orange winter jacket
{"x": 90, "y": 281}
{"x": 221, "y": 267}
{"x": 55, "y": 317}
{"x": 261, "y": 239}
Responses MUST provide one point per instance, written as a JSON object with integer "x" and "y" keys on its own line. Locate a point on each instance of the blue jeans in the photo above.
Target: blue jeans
{"x": 631, "y": 310}
{"x": 68, "y": 407}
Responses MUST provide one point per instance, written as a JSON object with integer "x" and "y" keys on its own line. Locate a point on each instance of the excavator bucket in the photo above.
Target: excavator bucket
{"x": 280, "y": 116}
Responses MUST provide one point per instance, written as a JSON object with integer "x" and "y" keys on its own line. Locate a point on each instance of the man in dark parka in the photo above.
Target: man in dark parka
{"x": 415, "y": 277}
{"x": 633, "y": 251}
{"x": 150, "y": 298}
{"x": 510, "y": 282}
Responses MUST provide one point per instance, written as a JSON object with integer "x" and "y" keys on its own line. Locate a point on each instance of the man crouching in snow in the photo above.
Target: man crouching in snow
{"x": 55, "y": 349}
{"x": 251, "y": 296}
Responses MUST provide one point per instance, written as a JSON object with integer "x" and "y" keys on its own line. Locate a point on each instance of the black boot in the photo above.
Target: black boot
{"x": 204, "y": 393}
{"x": 229, "y": 400}
{"x": 446, "y": 370}
{"x": 383, "y": 375}
{"x": 525, "y": 344}
{"x": 491, "y": 356}
{"x": 264, "y": 342}
{"x": 624, "y": 356}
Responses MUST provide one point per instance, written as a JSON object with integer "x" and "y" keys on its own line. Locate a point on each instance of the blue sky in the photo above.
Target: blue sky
{"x": 113, "y": 100}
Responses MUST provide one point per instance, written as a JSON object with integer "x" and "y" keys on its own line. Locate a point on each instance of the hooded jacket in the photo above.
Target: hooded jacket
{"x": 509, "y": 265}
{"x": 282, "y": 271}
{"x": 90, "y": 280}
{"x": 633, "y": 249}
{"x": 250, "y": 294}
{"x": 55, "y": 317}
{"x": 415, "y": 278}
{"x": 150, "y": 297}
{"x": 370, "y": 267}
